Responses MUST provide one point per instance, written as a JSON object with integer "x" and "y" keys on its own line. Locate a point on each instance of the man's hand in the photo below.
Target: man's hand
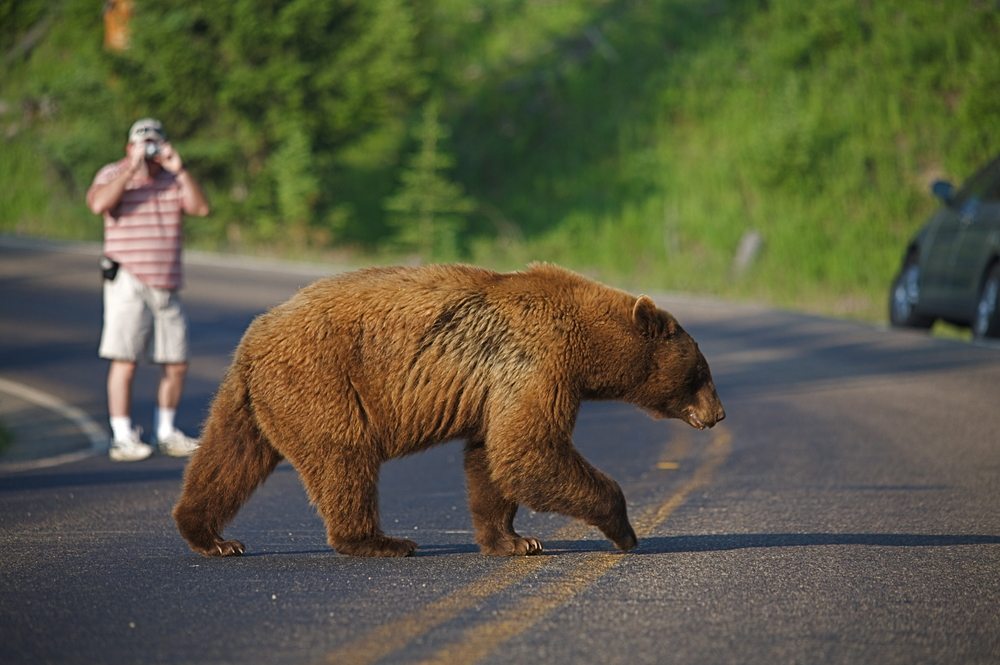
{"x": 136, "y": 153}
{"x": 192, "y": 198}
{"x": 169, "y": 158}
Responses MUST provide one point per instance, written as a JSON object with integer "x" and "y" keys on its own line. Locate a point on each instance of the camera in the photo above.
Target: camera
{"x": 152, "y": 149}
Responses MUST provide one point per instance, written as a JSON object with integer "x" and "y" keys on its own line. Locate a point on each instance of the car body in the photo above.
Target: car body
{"x": 951, "y": 268}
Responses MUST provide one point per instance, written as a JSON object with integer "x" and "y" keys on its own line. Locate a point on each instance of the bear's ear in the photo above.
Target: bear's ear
{"x": 649, "y": 320}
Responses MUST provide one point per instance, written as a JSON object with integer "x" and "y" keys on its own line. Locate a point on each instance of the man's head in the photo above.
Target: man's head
{"x": 146, "y": 137}
{"x": 146, "y": 129}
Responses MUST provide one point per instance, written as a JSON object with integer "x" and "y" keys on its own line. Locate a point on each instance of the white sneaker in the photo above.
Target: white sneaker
{"x": 131, "y": 449}
{"x": 178, "y": 444}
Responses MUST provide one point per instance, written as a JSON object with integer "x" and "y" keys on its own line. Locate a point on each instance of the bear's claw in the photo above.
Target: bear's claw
{"x": 225, "y": 548}
{"x": 513, "y": 546}
{"x": 531, "y": 546}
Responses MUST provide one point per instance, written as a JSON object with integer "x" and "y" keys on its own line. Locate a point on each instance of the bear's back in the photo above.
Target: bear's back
{"x": 402, "y": 311}
{"x": 420, "y": 351}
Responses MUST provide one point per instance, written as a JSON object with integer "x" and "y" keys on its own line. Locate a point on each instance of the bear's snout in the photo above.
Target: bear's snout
{"x": 705, "y": 412}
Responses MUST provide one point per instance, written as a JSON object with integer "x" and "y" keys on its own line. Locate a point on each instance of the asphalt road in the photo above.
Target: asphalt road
{"x": 845, "y": 512}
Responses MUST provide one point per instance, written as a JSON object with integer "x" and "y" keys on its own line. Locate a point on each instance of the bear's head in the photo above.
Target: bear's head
{"x": 678, "y": 383}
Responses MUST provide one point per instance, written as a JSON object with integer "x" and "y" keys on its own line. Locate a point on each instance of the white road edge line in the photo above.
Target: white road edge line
{"x": 95, "y": 433}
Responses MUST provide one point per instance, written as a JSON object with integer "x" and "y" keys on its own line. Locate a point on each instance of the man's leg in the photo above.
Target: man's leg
{"x": 170, "y": 351}
{"x": 120, "y": 376}
{"x": 126, "y": 446}
{"x": 172, "y": 440}
{"x": 168, "y": 397}
{"x": 171, "y": 385}
{"x": 126, "y": 329}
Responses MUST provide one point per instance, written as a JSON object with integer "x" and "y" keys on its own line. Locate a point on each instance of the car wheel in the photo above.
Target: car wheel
{"x": 986, "y": 322}
{"x": 904, "y": 296}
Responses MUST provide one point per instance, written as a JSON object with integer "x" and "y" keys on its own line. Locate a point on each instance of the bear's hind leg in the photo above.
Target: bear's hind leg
{"x": 344, "y": 487}
{"x": 233, "y": 459}
{"x": 492, "y": 513}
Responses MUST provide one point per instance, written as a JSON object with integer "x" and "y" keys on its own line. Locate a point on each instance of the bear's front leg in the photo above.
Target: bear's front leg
{"x": 492, "y": 513}
{"x": 614, "y": 523}
{"x": 532, "y": 460}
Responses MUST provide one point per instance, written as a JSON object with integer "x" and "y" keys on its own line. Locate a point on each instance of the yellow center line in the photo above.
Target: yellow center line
{"x": 479, "y": 641}
{"x": 391, "y": 637}
{"x": 716, "y": 453}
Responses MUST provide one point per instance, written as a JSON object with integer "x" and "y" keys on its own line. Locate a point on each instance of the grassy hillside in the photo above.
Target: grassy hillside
{"x": 638, "y": 141}
{"x": 819, "y": 126}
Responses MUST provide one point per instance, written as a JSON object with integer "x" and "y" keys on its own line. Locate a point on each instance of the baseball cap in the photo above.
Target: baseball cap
{"x": 146, "y": 129}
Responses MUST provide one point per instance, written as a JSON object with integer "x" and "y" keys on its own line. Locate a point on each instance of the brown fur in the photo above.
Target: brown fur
{"x": 372, "y": 365}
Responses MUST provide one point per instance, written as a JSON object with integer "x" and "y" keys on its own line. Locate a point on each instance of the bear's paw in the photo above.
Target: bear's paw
{"x": 377, "y": 546}
{"x": 222, "y": 548}
{"x": 512, "y": 546}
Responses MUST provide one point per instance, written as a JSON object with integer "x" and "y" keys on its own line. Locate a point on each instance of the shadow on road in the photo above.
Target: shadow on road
{"x": 76, "y": 478}
{"x": 158, "y": 468}
{"x": 718, "y": 543}
{"x": 777, "y": 353}
{"x": 709, "y": 543}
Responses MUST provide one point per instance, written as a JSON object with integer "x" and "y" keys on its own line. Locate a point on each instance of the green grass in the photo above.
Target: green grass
{"x": 637, "y": 142}
{"x": 819, "y": 126}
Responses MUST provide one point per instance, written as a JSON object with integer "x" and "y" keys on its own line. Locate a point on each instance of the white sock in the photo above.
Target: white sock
{"x": 165, "y": 422}
{"x": 121, "y": 428}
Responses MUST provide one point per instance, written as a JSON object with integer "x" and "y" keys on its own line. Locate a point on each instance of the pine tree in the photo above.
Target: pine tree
{"x": 428, "y": 210}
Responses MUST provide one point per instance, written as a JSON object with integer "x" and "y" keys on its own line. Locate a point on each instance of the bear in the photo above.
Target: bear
{"x": 371, "y": 365}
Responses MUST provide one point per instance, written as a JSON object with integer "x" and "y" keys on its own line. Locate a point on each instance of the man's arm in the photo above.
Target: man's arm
{"x": 104, "y": 197}
{"x": 193, "y": 199}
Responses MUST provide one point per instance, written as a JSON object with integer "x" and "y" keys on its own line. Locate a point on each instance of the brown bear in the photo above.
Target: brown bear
{"x": 368, "y": 366}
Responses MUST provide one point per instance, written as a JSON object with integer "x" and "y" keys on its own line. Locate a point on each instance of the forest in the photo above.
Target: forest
{"x": 769, "y": 150}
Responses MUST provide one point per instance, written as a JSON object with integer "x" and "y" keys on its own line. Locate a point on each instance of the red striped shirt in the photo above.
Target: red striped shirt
{"x": 144, "y": 232}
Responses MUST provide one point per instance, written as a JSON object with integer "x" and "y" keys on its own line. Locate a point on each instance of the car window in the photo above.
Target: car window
{"x": 983, "y": 186}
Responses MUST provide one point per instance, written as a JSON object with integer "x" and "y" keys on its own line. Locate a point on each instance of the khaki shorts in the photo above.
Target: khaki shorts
{"x": 142, "y": 320}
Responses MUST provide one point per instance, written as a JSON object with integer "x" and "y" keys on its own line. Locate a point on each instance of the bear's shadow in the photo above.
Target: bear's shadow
{"x": 727, "y": 542}
{"x": 703, "y": 543}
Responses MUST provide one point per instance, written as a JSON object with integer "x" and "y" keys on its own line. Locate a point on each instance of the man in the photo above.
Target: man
{"x": 143, "y": 199}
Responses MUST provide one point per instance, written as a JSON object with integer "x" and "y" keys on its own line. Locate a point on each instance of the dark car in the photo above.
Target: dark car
{"x": 951, "y": 268}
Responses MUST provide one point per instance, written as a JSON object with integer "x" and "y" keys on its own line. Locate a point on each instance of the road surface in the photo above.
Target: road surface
{"x": 846, "y": 511}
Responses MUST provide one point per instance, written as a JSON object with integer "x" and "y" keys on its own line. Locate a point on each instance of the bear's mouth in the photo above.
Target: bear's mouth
{"x": 688, "y": 416}
{"x": 694, "y": 421}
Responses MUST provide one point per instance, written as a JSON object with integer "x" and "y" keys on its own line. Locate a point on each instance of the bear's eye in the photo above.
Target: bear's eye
{"x": 699, "y": 375}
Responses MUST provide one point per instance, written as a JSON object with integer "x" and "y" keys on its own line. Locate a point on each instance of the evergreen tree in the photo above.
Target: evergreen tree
{"x": 429, "y": 210}
{"x": 273, "y": 93}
